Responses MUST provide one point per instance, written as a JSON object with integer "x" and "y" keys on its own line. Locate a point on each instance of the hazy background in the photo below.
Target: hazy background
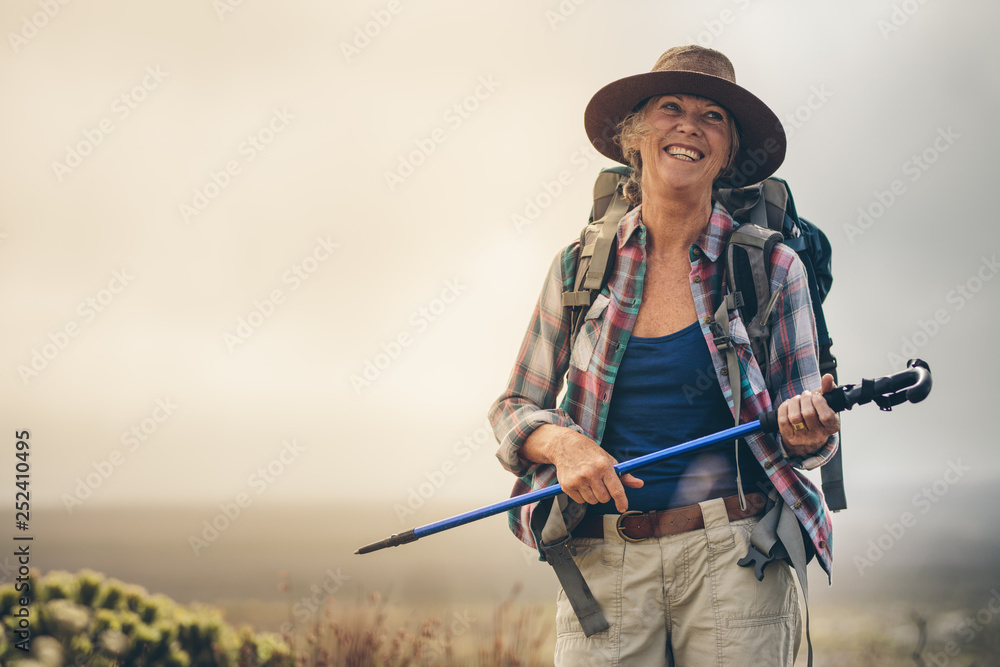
{"x": 865, "y": 87}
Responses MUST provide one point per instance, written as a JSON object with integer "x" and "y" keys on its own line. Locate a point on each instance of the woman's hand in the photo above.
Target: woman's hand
{"x": 806, "y": 421}
{"x": 585, "y": 471}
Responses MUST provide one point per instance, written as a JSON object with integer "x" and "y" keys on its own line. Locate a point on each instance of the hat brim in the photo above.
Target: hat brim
{"x": 762, "y": 137}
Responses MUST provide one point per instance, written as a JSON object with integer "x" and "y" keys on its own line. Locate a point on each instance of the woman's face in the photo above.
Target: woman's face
{"x": 687, "y": 145}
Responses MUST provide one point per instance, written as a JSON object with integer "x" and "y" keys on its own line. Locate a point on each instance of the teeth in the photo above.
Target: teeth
{"x": 677, "y": 151}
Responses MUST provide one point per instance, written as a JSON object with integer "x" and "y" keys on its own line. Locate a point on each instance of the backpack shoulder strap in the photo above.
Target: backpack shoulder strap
{"x": 748, "y": 264}
{"x": 597, "y": 244}
{"x": 777, "y": 214}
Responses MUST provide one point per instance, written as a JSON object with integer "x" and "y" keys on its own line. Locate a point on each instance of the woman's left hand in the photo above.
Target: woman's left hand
{"x": 806, "y": 421}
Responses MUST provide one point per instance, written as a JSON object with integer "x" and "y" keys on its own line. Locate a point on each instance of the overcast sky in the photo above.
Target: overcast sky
{"x": 307, "y": 237}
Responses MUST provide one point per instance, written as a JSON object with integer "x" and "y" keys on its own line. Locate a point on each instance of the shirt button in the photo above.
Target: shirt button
{"x": 724, "y": 371}
{"x": 697, "y": 279}
{"x": 797, "y": 505}
{"x": 696, "y": 251}
{"x": 768, "y": 465}
{"x": 707, "y": 320}
{"x": 822, "y": 544}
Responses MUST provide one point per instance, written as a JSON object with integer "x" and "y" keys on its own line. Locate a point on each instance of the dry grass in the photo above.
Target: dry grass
{"x": 372, "y": 633}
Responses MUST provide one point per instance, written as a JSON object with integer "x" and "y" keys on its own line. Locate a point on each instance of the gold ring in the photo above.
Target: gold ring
{"x": 798, "y": 426}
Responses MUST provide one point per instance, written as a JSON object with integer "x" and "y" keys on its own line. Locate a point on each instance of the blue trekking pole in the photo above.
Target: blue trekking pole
{"x": 913, "y": 385}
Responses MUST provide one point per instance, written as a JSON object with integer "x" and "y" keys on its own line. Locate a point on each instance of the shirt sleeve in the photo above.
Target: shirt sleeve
{"x": 529, "y": 400}
{"x": 795, "y": 353}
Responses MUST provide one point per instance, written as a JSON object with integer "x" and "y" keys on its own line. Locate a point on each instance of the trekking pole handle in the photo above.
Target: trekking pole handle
{"x": 912, "y": 385}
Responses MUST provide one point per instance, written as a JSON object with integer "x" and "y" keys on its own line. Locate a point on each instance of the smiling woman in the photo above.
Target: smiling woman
{"x": 661, "y": 584}
{"x": 657, "y": 113}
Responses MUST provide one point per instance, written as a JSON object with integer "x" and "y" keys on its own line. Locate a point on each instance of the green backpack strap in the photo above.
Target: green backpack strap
{"x": 597, "y": 244}
{"x": 549, "y": 523}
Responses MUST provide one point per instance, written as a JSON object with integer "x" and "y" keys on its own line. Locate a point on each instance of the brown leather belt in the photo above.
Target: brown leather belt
{"x": 637, "y": 526}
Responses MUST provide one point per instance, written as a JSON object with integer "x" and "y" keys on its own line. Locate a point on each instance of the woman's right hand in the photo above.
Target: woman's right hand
{"x": 585, "y": 471}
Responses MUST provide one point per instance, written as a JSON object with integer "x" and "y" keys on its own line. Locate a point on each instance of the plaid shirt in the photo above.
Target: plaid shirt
{"x": 589, "y": 369}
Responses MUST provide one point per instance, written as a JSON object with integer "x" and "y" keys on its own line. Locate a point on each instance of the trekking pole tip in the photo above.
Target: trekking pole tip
{"x": 391, "y": 541}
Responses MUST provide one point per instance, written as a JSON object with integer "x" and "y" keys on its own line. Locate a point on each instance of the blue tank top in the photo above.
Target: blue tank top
{"x": 666, "y": 393}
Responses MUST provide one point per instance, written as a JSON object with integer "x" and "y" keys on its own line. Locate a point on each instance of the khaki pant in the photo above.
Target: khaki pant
{"x": 682, "y": 601}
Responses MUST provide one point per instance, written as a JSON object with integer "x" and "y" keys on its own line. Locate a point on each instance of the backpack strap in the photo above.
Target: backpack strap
{"x": 748, "y": 266}
{"x": 748, "y": 256}
{"x": 597, "y": 246}
{"x": 778, "y": 535}
{"x": 724, "y": 343}
{"x": 832, "y": 474}
{"x": 748, "y": 263}
{"x": 549, "y": 526}
{"x": 594, "y": 263}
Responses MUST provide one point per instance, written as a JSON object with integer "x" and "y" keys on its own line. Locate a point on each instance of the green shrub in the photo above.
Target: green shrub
{"x": 87, "y": 619}
{"x": 89, "y": 587}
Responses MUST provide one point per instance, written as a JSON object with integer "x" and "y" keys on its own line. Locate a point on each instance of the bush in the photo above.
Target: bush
{"x": 87, "y": 619}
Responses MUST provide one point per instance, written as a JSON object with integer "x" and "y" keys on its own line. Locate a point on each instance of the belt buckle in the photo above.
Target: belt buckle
{"x": 618, "y": 527}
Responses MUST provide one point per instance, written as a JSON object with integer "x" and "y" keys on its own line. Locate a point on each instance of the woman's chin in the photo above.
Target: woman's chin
{"x": 681, "y": 181}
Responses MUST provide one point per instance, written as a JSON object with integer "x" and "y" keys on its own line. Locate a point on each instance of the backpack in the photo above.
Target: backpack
{"x": 764, "y": 214}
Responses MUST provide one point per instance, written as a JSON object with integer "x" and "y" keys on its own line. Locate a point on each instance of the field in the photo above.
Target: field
{"x": 280, "y": 568}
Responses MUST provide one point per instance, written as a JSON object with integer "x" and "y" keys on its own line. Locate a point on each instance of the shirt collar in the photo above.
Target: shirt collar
{"x": 712, "y": 240}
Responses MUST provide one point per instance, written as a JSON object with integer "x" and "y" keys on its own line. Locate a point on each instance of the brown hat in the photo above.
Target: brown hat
{"x": 693, "y": 70}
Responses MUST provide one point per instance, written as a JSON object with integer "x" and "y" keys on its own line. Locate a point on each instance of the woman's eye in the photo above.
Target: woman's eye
{"x": 715, "y": 116}
{"x": 670, "y": 106}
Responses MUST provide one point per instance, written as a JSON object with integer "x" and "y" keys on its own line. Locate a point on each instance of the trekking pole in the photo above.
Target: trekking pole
{"x": 913, "y": 385}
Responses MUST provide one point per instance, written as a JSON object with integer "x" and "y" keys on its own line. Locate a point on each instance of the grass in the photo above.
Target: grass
{"x": 373, "y": 633}
{"x": 90, "y": 619}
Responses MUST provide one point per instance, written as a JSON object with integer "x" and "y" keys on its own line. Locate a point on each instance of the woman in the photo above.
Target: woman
{"x": 667, "y": 579}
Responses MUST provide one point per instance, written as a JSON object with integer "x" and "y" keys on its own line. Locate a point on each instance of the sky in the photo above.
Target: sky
{"x": 285, "y": 252}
